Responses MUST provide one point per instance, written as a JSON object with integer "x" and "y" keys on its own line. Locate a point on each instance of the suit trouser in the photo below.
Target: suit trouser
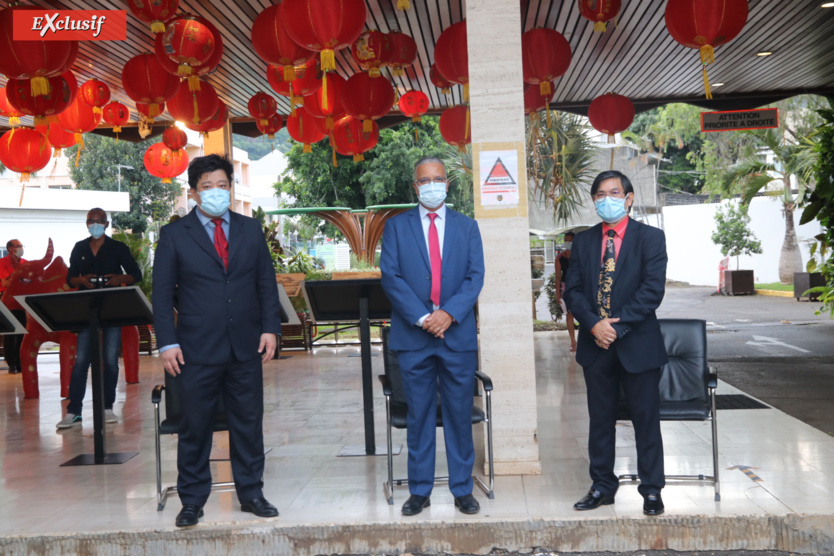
{"x": 423, "y": 371}
{"x": 240, "y": 383}
{"x": 642, "y": 393}
{"x": 12, "y": 342}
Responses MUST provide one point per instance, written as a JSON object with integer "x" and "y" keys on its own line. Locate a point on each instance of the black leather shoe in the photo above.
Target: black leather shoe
{"x": 189, "y": 515}
{"x": 593, "y": 500}
{"x": 260, "y": 507}
{"x": 653, "y": 504}
{"x": 467, "y": 504}
{"x": 415, "y": 504}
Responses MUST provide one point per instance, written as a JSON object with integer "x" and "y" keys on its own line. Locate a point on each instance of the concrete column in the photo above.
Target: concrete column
{"x": 506, "y": 319}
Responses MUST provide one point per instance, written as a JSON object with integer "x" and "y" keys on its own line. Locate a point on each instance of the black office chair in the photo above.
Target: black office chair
{"x": 687, "y": 387}
{"x": 396, "y": 410}
{"x": 171, "y": 425}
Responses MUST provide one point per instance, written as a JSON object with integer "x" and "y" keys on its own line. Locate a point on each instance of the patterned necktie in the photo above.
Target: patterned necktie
{"x": 434, "y": 257}
{"x": 220, "y": 242}
{"x": 606, "y": 277}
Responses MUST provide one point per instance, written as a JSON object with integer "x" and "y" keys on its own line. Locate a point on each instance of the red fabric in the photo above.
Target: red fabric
{"x": 220, "y": 242}
{"x": 619, "y": 231}
{"x": 436, "y": 262}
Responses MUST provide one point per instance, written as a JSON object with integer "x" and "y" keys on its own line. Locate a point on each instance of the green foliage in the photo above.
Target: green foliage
{"x": 300, "y": 262}
{"x": 550, "y": 288}
{"x": 359, "y": 264}
{"x": 150, "y": 199}
{"x": 733, "y": 232}
{"x": 271, "y": 235}
{"x": 141, "y": 250}
{"x": 258, "y": 147}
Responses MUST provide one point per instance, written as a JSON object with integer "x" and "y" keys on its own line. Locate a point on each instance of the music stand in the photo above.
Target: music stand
{"x": 92, "y": 310}
{"x": 357, "y": 300}
{"x": 8, "y": 323}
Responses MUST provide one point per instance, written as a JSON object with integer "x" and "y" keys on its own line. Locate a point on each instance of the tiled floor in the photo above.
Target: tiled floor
{"x": 313, "y": 409}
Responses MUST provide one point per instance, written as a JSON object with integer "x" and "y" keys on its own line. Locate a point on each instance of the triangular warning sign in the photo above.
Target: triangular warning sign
{"x": 499, "y": 175}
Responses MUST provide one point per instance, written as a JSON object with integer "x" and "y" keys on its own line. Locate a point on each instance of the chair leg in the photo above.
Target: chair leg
{"x": 489, "y": 489}
{"x": 715, "y": 446}
{"x": 388, "y": 487}
{"x": 160, "y": 496}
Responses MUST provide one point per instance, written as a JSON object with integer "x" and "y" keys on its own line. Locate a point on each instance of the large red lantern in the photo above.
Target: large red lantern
{"x": 24, "y": 151}
{"x": 174, "y": 138}
{"x": 57, "y": 99}
{"x": 455, "y": 126}
{"x": 414, "y": 104}
{"x": 274, "y": 45}
{"x": 188, "y": 42}
{"x": 367, "y": 98}
{"x": 705, "y": 24}
{"x": 162, "y": 162}
{"x": 599, "y": 11}
{"x": 327, "y": 101}
{"x": 306, "y": 82}
{"x": 196, "y": 71}
{"x": 116, "y": 114}
{"x": 194, "y": 107}
{"x": 272, "y": 126}
{"x": 155, "y": 12}
{"x": 214, "y": 123}
{"x": 439, "y": 81}
{"x": 9, "y": 111}
{"x": 370, "y": 50}
{"x": 94, "y": 93}
{"x": 79, "y": 118}
{"x": 451, "y": 56}
{"x": 324, "y": 25}
{"x": 262, "y": 105}
{"x": 402, "y": 53}
{"x": 303, "y": 128}
{"x": 145, "y": 81}
{"x": 350, "y": 138}
{"x": 611, "y": 114}
{"x": 150, "y": 111}
{"x": 59, "y": 138}
{"x": 545, "y": 55}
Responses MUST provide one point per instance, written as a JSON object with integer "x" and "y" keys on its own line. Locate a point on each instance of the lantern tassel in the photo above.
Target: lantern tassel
{"x": 183, "y": 70}
{"x": 612, "y": 157}
{"x": 416, "y": 135}
{"x": 532, "y": 116}
{"x": 374, "y": 72}
{"x": 334, "y": 159}
{"x": 544, "y": 88}
{"x": 157, "y": 27}
{"x": 24, "y": 177}
{"x": 707, "y": 54}
{"x": 707, "y": 88}
{"x": 193, "y": 83}
{"x": 446, "y": 91}
{"x": 264, "y": 122}
{"x": 466, "y": 92}
{"x": 547, "y": 111}
{"x": 96, "y": 110}
{"x": 166, "y": 180}
{"x": 403, "y": 4}
{"x": 14, "y": 120}
{"x": 367, "y": 126}
{"x": 39, "y": 86}
{"x": 328, "y": 122}
{"x": 466, "y": 133}
{"x": 308, "y": 148}
{"x": 416, "y": 119}
{"x": 358, "y": 157}
{"x": 289, "y": 73}
{"x": 153, "y": 111}
{"x": 324, "y": 92}
{"x": 196, "y": 118}
{"x": 117, "y": 129}
{"x": 328, "y": 60}
{"x": 599, "y": 27}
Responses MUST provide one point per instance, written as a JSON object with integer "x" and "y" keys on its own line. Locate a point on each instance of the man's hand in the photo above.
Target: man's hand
{"x": 604, "y": 334}
{"x": 115, "y": 280}
{"x": 84, "y": 281}
{"x": 437, "y": 323}
{"x": 268, "y": 345}
{"x": 171, "y": 360}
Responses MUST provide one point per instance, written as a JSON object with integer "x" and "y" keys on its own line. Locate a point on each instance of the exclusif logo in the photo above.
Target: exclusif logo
{"x": 70, "y": 25}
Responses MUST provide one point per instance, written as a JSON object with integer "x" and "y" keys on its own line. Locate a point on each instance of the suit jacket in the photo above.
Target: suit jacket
{"x": 220, "y": 312}
{"x": 637, "y": 291}
{"x": 406, "y": 279}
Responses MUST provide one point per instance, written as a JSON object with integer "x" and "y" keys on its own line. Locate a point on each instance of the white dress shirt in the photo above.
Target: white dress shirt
{"x": 440, "y": 224}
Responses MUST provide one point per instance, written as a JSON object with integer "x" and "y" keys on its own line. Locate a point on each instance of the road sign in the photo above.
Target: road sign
{"x": 734, "y": 120}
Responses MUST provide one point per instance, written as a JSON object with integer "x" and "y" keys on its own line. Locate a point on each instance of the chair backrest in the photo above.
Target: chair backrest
{"x": 391, "y": 366}
{"x": 173, "y": 411}
{"x": 684, "y": 377}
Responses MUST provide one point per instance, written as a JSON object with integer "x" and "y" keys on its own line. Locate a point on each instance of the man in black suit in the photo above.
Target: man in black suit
{"x": 217, "y": 265}
{"x": 615, "y": 282}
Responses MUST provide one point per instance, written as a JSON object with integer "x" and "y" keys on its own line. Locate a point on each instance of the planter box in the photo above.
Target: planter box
{"x": 291, "y": 282}
{"x": 804, "y": 281}
{"x": 738, "y": 282}
{"x": 357, "y": 275}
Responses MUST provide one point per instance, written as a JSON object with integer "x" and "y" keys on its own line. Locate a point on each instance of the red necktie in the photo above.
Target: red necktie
{"x": 220, "y": 242}
{"x": 434, "y": 257}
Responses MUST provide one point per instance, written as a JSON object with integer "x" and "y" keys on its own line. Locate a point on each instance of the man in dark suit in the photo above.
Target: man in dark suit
{"x": 214, "y": 267}
{"x": 432, "y": 271}
{"x": 615, "y": 282}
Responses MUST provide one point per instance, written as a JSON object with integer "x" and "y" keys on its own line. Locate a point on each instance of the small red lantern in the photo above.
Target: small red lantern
{"x": 324, "y": 25}
{"x": 451, "y": 56}
{"x": 705, "y": 24}
{"x": 188, "y": 42}
{"x": 350, "y": 138}
{"x": 196, "y": 71}
{"x": 370, "y": 50}
{"x": 439, "y": 81}
{"x": 545, "y": 55}
{"x": 150, "y": 111}
{"x": 59, "y": 138}
{"x": 174, "y": 138}
{"x": 146, "y": 81}
{"x": 194, "y": 107}
{"x": 303, "y": 128}
{"x": 214, "y": 123}
{"x": 94, "y": 93}
{"x": 367, "y": 98}
{"x": 455, "y": 127}
{"x": 9, "y": 111}
{"x": 273, "y": 125}
{"x": 79, "y": 118}
{"x": 57, "y": 99}
{"x": 274, "y": 45}
{"x": 261, "y": 106}
{"x": 327, "y": 102}
{"x": 611, "y": 114}
{"x": 402, "y": 53}
{"x": 599, "y": 11}
{"x": 116, "y": 114}
{"x": 154, "y": 12}
{"x": 24, "y": 151}
{"x": 414, "y": 104}
{"x": 534, "y": 100}
{"x": 162, "y": 162}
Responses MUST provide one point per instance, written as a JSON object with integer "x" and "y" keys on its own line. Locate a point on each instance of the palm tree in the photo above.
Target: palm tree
{"x": 793, "y": 156}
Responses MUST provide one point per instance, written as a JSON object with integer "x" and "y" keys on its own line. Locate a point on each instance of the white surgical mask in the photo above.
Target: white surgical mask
{"x": 432, "y": 194}
{"x": 567, "y": 245}
{"x": 19, "y": 252}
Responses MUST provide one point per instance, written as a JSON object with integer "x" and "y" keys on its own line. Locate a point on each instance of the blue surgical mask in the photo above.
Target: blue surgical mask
{"x": 215, "y": 201}
{"x": 96, "y": 230}
{"x": 432, "y": 194}
{"x": 611, "y": 209}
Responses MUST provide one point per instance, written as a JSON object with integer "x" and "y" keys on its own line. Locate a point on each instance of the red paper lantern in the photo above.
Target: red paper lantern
{"x": 599, "y": 11}
{"x": 214, "y": 123}
{"x": 439, "y": 81}
{"x": 262, "y": 105}
{"x": 402, "y": 53}
{"x": 545, "y": 55}
{"x": 705, "y": 24}
{"x": 150, "y": 111}
{"x": 194, "y": 107}
{"x": 350, "y": 138}
{"x": 145, "y": 81}
{"x": 57, "y": 99}
{"x": 116, "y": 114}
{"x": 534, "y": 100}
{"x": 611, "y": 114}
{"x": 455, "y": 127}
{"x": 367, "y": 99}
{"x": 370, "y": 50}
{"x": 9, "y": 111}
{"x": 188, "y": 42}
{"x": 35, "y": 60}
{"x": 196, "y": 71}
{"x": 272, "y": 126}
{"x": 174, "y": 138}
{"x": 451, "y": 56}
{"x": 162, "y": 162}
{"x": 59, "y": 138}
{"x": 306, "y": 82}
{"x": 274, "y": 45}
{"x": 154, "y": 12}
{"x": 24, "y": 151}
{"x": 326, "y": 103}
{"x": 94, "y": 93}
{"x": 303, "y": 128}
{"x": 324, "y": 25}
{"x": 414, "y": 104}
{"x": 79, "y": 118}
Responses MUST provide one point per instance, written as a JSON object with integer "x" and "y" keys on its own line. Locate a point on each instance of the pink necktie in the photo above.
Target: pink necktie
{"x": 434, "y": 256}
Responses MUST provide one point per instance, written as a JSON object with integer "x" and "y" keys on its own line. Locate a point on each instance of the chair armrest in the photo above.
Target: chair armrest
{"x": 156, "y": 393}
{"x": 712, "y": 378}
{"x": 485, "y": 380}
{"x": 386, "y": 385}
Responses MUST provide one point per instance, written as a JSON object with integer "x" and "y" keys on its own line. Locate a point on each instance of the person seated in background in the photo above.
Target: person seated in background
{"x": 11, "y": 342}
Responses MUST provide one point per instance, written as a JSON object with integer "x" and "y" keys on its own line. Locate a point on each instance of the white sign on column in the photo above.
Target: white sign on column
{"x": 499, "y": 178}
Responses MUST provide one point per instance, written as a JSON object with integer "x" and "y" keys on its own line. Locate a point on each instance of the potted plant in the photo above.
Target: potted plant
{"x": 734, "y": 236}
{"x": 811, "y": 278}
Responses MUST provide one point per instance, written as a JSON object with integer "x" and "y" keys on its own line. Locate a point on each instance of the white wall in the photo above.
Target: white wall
{"x": 694, "y": 258}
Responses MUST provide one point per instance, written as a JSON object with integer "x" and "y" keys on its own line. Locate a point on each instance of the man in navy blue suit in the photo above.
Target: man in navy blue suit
{"x": 615, "y": 283}
{"x": 214, "y": 267}
{"x": 432, "y": 266}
